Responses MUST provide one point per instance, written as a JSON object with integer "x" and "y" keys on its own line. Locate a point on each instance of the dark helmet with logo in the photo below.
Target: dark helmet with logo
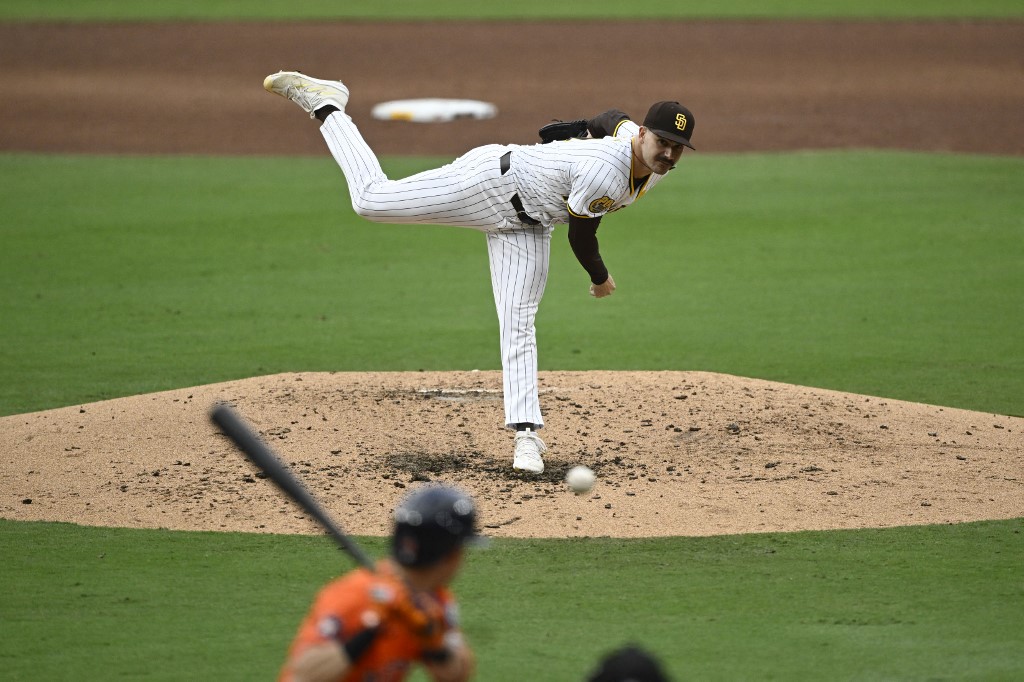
{"x": 430, "y": 523}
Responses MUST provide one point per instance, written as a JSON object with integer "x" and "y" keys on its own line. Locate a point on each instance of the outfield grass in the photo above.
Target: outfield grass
{"x": 891, "y": 274}
{"x": 924, "y": 603}
{"x": 98, "y": 10}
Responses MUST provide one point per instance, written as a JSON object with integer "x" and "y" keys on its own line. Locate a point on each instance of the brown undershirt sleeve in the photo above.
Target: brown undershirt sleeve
{"x": 605, "y": 124}
{"x": 583, "y": 240}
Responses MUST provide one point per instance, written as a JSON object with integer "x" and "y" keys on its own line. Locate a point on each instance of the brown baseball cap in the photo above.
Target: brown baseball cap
{"x": 670, "y": 120}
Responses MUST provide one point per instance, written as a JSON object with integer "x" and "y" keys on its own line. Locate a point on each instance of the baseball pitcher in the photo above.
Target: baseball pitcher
{"x": 515, "y": 195}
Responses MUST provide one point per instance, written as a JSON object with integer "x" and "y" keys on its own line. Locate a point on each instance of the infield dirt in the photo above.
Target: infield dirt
{"x": 197, "y": 88}
{"x": 677, "y": 453}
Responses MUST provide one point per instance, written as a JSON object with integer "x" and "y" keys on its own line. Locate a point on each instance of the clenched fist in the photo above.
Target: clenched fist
{"x": 604, "y": 289}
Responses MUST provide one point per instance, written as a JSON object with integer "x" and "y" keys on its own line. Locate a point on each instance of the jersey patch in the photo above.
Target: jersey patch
{"x": 329, "y": 627}
{"x": 382, "y": 594}
{"x": 601, "y": 205}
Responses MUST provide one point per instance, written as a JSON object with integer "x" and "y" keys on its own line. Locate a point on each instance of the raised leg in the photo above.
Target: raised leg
{"x": 463, "y": 193}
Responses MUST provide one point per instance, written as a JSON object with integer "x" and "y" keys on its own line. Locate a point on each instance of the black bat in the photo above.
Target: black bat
{"x": 263, "y": 457}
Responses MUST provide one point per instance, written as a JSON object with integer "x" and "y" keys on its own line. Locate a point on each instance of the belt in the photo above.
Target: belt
{"x": 517, "y": 203}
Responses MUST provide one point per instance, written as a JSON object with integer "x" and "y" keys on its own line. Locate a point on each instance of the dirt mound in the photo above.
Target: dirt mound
{"x": 676, "y": 453}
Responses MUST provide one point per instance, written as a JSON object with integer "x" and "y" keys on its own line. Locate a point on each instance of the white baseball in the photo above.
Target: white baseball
{"x": 580, "y": 478}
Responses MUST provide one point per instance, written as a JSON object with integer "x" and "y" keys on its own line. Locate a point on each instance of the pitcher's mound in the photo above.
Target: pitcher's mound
{"x": 676, "y": 453}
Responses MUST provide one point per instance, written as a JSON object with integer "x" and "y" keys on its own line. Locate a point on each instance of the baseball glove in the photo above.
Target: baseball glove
{"x": 563, "y": 130}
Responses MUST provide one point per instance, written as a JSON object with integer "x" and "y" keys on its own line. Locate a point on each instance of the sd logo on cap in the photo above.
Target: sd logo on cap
{"x": 670, "y": 120}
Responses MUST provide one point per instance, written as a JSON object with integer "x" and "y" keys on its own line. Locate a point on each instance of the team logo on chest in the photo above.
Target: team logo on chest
{"x": 601, "y": 205}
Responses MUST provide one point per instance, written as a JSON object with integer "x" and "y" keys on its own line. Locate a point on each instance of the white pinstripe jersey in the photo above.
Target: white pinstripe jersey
{"x": 587, "y": 178}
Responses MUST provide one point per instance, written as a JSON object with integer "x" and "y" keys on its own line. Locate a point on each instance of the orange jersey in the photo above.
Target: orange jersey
{"x": 345, "y": 606}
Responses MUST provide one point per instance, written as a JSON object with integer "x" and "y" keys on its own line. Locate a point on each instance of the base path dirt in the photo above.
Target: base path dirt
{"x": 197, "y": 88}
{"x": 676, "y": 453}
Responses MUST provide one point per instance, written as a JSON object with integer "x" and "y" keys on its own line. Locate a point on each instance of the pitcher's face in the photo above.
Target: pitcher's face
{"x": 658, "y": 154}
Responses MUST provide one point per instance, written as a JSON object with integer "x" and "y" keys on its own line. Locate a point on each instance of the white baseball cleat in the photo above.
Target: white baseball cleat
{"x": 308, "y": 92}
{"x": 529, "y": 448}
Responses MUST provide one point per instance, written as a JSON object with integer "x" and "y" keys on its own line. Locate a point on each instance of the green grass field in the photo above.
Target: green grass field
{"x": 925, "y": 603}
{"x": 890, "y": 274}
{"x": 97, "y": 10}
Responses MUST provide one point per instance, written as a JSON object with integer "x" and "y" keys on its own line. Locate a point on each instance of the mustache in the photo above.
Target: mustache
{"x": 668, "y": 161}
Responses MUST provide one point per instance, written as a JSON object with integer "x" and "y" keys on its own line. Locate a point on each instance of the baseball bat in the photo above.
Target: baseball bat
{"x": 263, "y": 457}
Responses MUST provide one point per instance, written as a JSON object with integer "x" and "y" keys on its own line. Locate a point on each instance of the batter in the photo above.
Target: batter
{"x": 515, "y": 195}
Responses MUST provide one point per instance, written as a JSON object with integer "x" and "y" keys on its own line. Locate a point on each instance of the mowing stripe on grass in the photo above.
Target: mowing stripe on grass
{"x": 104, "y": 10}
{"x": 931, "y": 602}
{"x": 889, "y": 274}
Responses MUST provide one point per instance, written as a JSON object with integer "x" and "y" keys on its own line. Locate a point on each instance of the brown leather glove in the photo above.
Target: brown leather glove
{"x": 563, "y": 130}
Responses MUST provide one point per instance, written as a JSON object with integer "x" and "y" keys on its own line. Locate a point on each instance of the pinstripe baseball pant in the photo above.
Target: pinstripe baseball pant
{"x": 471, "y": 191}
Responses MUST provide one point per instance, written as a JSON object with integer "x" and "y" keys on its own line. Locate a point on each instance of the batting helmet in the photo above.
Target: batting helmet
{"x": 430, "y": 523}
{"x": 629, "y": 664}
